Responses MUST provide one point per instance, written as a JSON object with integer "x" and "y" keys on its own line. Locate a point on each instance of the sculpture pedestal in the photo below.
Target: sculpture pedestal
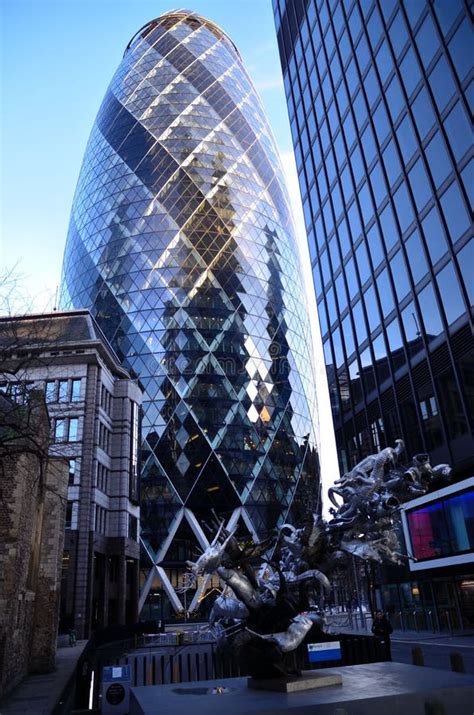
{"x": 307, "y": 681}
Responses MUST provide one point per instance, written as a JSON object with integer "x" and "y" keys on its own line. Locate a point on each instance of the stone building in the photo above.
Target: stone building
{"x": 32, "y": 508}
{"x": 94, "y": 410}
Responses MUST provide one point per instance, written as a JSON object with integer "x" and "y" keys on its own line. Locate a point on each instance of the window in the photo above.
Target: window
{"x": 459, "y": 131}
{"x": 430, "y": 313}
{"x": 466, "y": 262}
{"x": 75, "y": 390}
{"x": 59, "y": 430}
{"x": 438, "y": 159}
{"x": 341, "y": 292}
{"x": 384, "y": 61}
{"x": 389, "y": 229}
{"x": 348, "y": 335}
{"x": 73, "y": 472}
{"x": 451, "y": 296}
{"x": 404, "y": 207}
{"x": 391, "y": 162}
{"x": 377, "y": 182}
{"x": 68, "y": 515}
{"x": 434, "y": 235}
{"x": 416, "y": 257}
{"x": 385, "y": 292}
{"x": 427, "y": 40}
{"x": 73, "y": 429}
{"x": 411, "y": 326}
{"x": 395, "y": 342}
{"x": 406, "y": 138}
{"x": 395, "y": 99}
{"x": 62, "y": 391}
{"x": 460, "y": 50}
{"x": 400, "y": 275}
{"x": 410, "y": 71}
{"x": 455, "y": 212}
{"x": 398, "y": 33}
{"x": 363, "y": 263}
{"x": 423, "y": 113}
{"x": 374, "y": 27}
{"x": 381, "y": 123}
{"x": 419, "y": 185}
{"x": 351, "y": 278}
{"x": 451, "y": 404}
{"x": 442, "y": 83}
{"x": 372, "y": 308}
{"x": 50, "y": 391}
{"x": 359, "y": 322}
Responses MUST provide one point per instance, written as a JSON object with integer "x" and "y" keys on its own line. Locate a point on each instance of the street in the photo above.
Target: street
{"x": 436, "y": 652}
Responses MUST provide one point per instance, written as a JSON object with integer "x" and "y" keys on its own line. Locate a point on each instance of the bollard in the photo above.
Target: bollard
{"x": 457, "y": 662}
{"x": 415, "y": 620}
{"x": 417, "y": 657}
{"x": 402, "y": 621}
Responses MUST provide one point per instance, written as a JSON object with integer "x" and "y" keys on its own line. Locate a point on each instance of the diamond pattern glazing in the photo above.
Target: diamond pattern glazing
{"x": 181, "y": 243}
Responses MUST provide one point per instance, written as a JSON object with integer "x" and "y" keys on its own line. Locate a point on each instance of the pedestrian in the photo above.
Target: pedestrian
{"x": 382, "y": 628}
{"x": 72, "y": 637}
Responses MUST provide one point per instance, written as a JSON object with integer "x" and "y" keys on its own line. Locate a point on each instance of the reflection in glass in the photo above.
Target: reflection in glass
{"x": 416, "y": 256}
{"x": 434, "y": 235}
{"x": 450, "y": 292}
{"x": 430, "y": 313}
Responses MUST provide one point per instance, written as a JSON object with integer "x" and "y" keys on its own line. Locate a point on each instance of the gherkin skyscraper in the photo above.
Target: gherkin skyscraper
{"x": 182, "y": 245}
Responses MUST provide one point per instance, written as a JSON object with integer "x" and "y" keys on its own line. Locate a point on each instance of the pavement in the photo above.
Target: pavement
{"x": 39, "y": 694}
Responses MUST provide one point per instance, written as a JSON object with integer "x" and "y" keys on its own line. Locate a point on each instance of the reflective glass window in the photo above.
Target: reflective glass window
{"x": 337, "y": 345}
{"x": 414, "y": 8}
{"x": 411, "y": 327}
{"x": 372, "y": 308}
{"x": 344, "y": 47}
{"x": 381, "y": 123}
{"x": 434, "y": 235}
{"x": 450, "y": 292}
{"x": 325, "y": 267}
{"x": 335, "y": 68}
{"x": 391, "y": 162}
{"x": 439, "y": 161}
{"x": 381, "y": 358}
{"x": 398, "y": 33}
{"x": 374, "y": 27}
{"x": 390, "y": 232}
{"x": 395, "y": 100}
{"x": 459, "y": 131}
{"x": 59, "y": 430}
{"x": 318, "y": 285}
{"x": 467, "y": 177}
{"x": 362, "y": 54}
{"x": 359, "y": 322}
{"x": 344, "y": 240}
{"x": 387, "y": 8}
{"x": 51, "y": 391}
{"x": 363, "y": 262}
{"x": 410, "y": 71}
{"x": 62, "y": 392}
{"x": 348, "y": 335}
{"x": 330, "y": 166}
{"x": 384, "y": 61}
{"x": 356, "y": 387}
{"x": 351, "y": 278}
{"x": 366, "y": 204}
{"x": 347, "y": 186}
{"x": 354, "y": 222}
{"x": 400, "y": 275}
{"x": 455, "y": 212}
{"x": 352, "y": 77}
{"x": 394, "y": 337}
{"x": 406, "y": 138}
{"x": 466, "y": 262}
{"x": 357, "y": 165}
{"x": 419, "y": 184}
{"x": 442, "y": 83}
{"x": 447, "y": 12}
{"x": 423, "y": 113}
{"x": 460, "y": 49}
{"x": 75, "y": 390}
{"x": 371, "y": 87}
{"x": 73, "y": 429}
{"x": 355, "y": 23}
{"x": 328, "y": 219}
{"x": 429, "y": 312}
{"x": 331, "y": 304}
{"x": 341, "y": 292}
{"x": 368, "y": 144}
{"x": 360, "y": 109}
{"x": 385, "y": 292}
{"x": 375, "y": 245}
{"x": 404, "y": 207}
{"x": 342, "y": 99}
{"x": 368, "y": 375}
{"x": 427, "y": 40}
{"x": 416, "y": 256}
{"x": 334, "y": 253}
{"x": 338, "y": 19}
{"x": 323, "y": 321}
{"x": 451, "y": 404}
{"x": 378, "y": 184}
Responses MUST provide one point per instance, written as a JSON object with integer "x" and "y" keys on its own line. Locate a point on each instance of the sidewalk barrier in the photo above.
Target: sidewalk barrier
{"x": 457, "y": 662}
{"x": 417, "y": 657}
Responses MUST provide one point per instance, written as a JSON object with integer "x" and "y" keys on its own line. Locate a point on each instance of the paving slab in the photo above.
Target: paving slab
{"x": 372, "y": 689}
{"x": 39, "y": 694}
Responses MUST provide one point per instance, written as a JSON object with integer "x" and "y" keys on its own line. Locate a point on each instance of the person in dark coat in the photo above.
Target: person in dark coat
{"x": 382, "y": 628}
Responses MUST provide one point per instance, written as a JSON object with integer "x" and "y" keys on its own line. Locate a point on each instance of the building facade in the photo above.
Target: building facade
{"x": 94, "y": 410}
{"x": 32, "y": 513}
{"x": 379, "y": 95}
{"x": 182, "y": 245}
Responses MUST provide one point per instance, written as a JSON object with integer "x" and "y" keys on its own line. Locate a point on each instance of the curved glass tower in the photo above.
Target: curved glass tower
{"x": 182, "y": 245}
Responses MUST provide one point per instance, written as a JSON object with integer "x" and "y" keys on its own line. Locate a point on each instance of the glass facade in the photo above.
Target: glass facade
{"x": 379, "y": 96}
{"x": 181, "y": 243}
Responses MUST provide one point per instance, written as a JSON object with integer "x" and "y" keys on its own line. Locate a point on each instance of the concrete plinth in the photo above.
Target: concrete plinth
{"x": 308, "y": 681}
{"x": 393, "y": 688}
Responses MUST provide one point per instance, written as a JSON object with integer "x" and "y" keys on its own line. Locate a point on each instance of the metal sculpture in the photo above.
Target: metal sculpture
{"x": 274, "y": 590}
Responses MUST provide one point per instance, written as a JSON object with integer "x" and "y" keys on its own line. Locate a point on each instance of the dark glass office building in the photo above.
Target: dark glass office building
{"x": 379, "y": 96}
{"x": 182, "y": 245}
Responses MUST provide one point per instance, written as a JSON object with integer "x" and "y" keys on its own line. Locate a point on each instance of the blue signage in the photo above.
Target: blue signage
{"x": 318, "y": 652}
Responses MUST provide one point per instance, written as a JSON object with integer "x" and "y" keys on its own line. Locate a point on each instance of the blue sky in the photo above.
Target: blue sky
{"x": 57, "y": 59}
